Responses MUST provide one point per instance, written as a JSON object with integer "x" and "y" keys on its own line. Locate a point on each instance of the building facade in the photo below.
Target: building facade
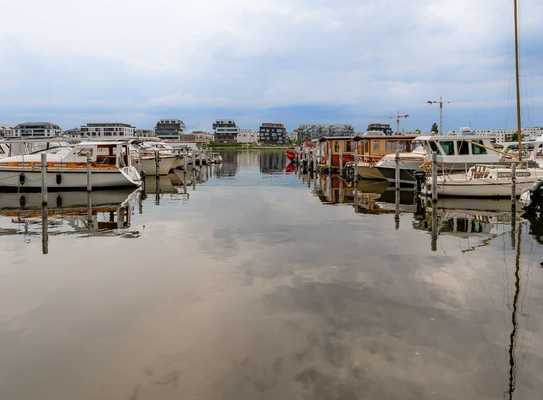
{"x": 503, "y": 135}
{"x": 225, "y": 131}
{"x": 107, "y": 130}
{"x": 37, "y": 129}
{"x": 272, "y": 133}
{"x": 317, "y": 131}
{"x": 145, "y": 133}
{"x": 6, "y": 131}
{"x": 199, "y": 137}
{"x": 169, "y": 128}
{"x": 383, "y": 128}
{"x": 247, "y": 136}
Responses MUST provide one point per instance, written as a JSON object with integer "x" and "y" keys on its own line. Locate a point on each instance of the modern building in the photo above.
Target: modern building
{"x": 272, "y": 133}
{"x": 384, "y": 128}
{"x": 199, "y": 137}
{"x": 247, "y": 136}
{"x": 107, "y": 130}
{"x": 225, "y": 131}
{"x": 37, "y": 129}
{"x": 316, "y": 131}
{"x": 169, "y": 128}
{"x": 6, "y": 131}
{"x": 502, "y": 135}
{"x": 145, "y": 133}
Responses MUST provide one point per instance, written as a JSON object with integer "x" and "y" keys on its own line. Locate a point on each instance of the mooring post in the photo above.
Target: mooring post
{"x": 434, "y": 177}
{"x": 434, "y": 227}
{"x": 44, "y": 228}
{"x": 89, "y": 174}
{"x": 43, "y": 178}
{"x": 397, "y": 170}
{"x": 513, "y": 184}
{"x": 157, "y": 163}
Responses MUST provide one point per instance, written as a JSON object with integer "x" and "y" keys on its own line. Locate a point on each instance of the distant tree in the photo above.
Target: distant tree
{"x": 435, "y": 128}
{"x": 417, "y": 131}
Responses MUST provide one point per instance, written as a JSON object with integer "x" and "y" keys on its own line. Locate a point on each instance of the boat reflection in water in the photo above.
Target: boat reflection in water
{"x": 106, "y": 212}
{"x": 272, "y": 162}
{"x": 366, "y": 196}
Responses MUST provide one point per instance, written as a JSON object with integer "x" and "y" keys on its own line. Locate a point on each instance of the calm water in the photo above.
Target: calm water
{"x": 260, "y": 284}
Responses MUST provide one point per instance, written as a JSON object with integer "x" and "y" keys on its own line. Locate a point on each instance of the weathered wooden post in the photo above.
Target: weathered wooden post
{"x": 89, "y": 174}
{"x": 43, "y": 178}
{"x": 44, "y": 228}
{"x": 397, "y": 197}
{"x": 341, "y": 159}
{"x": 397, "y": 170}
{"x": 157, "y": 163}
{"x": 434, "y": 177}
{"x": 514, "y": 184}
{"x": 434, "y": 227}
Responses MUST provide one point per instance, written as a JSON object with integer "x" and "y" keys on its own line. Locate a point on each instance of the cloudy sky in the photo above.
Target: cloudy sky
{"x": 296, "y": 61}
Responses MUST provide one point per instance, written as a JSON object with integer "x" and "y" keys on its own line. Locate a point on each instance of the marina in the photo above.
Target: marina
{"x": 221, "y": 289}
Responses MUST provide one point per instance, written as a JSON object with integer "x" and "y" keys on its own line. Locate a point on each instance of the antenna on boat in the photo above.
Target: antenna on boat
{"x": 517, "y": 82}
{"x": 440, "y": 102}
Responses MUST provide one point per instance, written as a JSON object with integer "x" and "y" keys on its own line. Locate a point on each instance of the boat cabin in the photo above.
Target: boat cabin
{"x": 460, "y": 148}
{"x": 336, "y": 151}
{"x": 371, "y": 148}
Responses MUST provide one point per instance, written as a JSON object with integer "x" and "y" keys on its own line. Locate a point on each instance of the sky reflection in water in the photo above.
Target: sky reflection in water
{"x": 254, "y": 286}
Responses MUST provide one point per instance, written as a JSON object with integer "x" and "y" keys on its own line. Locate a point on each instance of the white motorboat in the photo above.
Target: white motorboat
{"x": 67, "y": 169}
{"x": 486, "y": 181}
{"x": 145, "y": 158}
{"x": 454, "y": 153}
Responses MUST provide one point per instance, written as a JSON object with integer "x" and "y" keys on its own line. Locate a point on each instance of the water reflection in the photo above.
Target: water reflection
{"x": 75, "y": 212}
{"x": 254, "y": 288}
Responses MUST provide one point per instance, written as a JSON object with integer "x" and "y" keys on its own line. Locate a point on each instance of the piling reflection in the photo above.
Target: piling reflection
{"x": 78, "y": 212}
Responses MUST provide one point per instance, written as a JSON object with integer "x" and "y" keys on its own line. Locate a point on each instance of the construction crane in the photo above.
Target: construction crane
{"x": 398, "y": 118}
{"x": 440, "y": 102}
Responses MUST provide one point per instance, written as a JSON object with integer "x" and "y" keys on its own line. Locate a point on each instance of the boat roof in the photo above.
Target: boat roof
{"x": 454, "y": 137}
{"x": 386, "y": 137}
{"x": 325, "y": 138}
{"x": 103, "y": 143}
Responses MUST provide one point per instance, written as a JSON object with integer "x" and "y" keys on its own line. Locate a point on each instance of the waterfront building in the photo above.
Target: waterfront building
{"x": 272, "y": 133}
{"x": 384, "y": 128}
{"x": 317, "y": 131}
{"x": 169, "y": 128}
{"x": 37, "y": 129}
{"x": 6, "y": 131}
{"x": 247, "y": 136}
{"x": 501, "y": 136}
{"x": 107, "y": 130}
{"x": 199, "y": 137}
{"x": 225, "y": 131}
{"x": 145, "y": 133}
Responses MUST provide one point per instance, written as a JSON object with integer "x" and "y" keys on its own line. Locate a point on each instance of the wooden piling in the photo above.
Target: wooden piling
{"x": 89, "y": 174}
{"x": 434, "y": 177}
{"x": 157, "y": 163}
{"x": 43, "y": 179}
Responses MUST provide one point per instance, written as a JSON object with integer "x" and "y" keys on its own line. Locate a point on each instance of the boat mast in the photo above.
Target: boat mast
{"x": 517, "y": 81}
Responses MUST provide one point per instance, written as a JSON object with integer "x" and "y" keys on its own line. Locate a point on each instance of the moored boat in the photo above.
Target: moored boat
{"x": 486, "y": 181}
{"x": 67, "y": 168}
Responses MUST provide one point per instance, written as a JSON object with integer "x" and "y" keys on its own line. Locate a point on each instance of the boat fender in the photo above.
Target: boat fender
{"x": 59, "y": 179}
{"x": 59, "y": 201}
{"x": 22, "y": 201}
{"x": 22, "y": 178}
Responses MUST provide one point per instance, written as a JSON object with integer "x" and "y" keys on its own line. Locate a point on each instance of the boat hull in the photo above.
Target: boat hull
{"x": 148, "y": 165}
{"x": 367, "y": 172}
{"x": 65, "y": 179}
{"x": 480, "y": 190}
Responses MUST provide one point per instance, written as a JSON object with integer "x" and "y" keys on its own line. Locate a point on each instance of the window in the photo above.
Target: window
{"x": 476, "y": 147}
{"x": 336, "y": 147}
{"x": 448, "y": 148}
{"x": 347, "y": 147}
{"x": 375, "y": 147}
{"x": 463, "y": 147}
{"x": 366, "y": 147}
{"x": 433, "y": 147}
